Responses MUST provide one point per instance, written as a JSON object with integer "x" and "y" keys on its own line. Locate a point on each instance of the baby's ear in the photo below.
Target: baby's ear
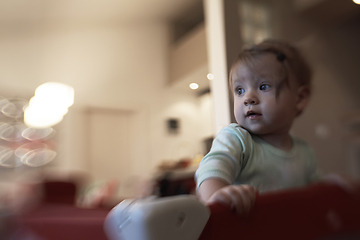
{"x": 303, "y": 99}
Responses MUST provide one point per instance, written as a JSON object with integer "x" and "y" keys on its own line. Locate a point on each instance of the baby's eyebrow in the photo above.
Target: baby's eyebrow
{"x": 237, "y": 81}
{"x": 266, "y": 77}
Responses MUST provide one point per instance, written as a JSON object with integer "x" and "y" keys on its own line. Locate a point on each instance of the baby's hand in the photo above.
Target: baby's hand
{"x": 240, "y": 198}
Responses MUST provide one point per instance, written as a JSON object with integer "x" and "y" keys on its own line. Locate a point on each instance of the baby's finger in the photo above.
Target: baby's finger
{"x": 248, "y": 198}
{"x": 220, "y": 197}
{"x": 252, "y": 192}
{"x": 247, "y": 195}
{"x": 237, "y": 204}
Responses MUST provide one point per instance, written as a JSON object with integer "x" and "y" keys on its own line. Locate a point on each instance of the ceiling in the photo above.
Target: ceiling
{"x": 94, "y": 10}
{"x": 19, "y": 16}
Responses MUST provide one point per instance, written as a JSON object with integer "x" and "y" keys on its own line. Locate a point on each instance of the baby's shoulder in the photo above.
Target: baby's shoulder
{"x": 236, "y": 132}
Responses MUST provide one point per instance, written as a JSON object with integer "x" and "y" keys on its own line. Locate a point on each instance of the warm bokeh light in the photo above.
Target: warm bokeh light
{"x": 13, "y": 108}
{"x": 210, "y": 76}
{"x": 194, "y": 86}
{"x": 33, "y": 134}
{"x": 49, "y": 105}
{"x": 356, "y": 1}
{"x": 37, "y": 118}
{"x": 8, "y": 158}
{"x": 57, "y": 93}
{"x": 35, "y": 154}
{"x": 21, "y": 146}
{"x": 10, "y": 131}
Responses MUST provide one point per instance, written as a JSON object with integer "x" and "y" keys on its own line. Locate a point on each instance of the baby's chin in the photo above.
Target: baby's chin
{"x": 253, "y": 132}
{"x": 247, "y": 129}
{"x": 242, "y": 126}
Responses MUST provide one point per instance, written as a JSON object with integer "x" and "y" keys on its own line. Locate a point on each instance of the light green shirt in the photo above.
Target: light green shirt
{"x": 237, "y": 157}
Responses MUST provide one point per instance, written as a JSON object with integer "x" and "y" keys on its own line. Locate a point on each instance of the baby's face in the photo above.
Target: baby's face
{"x": 260, "y": 105}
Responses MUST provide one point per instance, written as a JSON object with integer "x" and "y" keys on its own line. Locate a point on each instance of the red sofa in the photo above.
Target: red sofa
{"x": 61, "y": 221}
{"x": 58, "y": 218}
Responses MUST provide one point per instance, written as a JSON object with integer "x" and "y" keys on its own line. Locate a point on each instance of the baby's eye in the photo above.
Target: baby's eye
{"x": 239, "y": 91}
{"x": 264, "y": 87}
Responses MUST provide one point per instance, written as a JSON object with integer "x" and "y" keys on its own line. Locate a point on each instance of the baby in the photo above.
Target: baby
{"x": 271, "y": 85}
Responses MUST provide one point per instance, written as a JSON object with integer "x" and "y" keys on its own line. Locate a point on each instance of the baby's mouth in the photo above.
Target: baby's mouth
{"x": 252, "y": 115}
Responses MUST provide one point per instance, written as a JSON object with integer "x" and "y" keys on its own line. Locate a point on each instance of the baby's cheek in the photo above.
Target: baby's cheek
{"x": 238, "y": 114}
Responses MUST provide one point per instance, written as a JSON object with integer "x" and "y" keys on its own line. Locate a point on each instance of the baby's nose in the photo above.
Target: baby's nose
{"x": 251, "y": 101}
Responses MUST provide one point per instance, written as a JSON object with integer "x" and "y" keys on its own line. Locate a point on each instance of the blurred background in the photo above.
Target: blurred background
{"x": 130, "y": 64}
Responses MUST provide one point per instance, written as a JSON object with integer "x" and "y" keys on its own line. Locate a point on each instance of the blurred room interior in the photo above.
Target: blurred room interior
{"x": 130, "y": 64}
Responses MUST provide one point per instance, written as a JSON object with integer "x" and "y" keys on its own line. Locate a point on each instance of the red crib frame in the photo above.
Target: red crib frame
{"x": 320, "y": 211}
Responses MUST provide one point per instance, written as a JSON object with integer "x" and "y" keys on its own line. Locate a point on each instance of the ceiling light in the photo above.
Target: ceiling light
{"x": 194, "y": 86}
{"x": 38, "y": 118}
{"x": 56, "y": 92}
{"x": 210, "y": 76}
{"x": 356, "y": 1}
{"x": 49, "y": 105}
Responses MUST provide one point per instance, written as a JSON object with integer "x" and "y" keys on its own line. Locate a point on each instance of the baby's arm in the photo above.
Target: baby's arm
{"x": 239, "y": 198}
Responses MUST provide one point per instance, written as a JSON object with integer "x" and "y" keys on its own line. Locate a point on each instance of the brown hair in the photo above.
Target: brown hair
{"x": 294, "y": 63}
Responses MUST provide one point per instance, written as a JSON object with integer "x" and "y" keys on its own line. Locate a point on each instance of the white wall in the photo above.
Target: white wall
{"x": 110, "y": 66}
{"x": 104, "y": 60}
{"x": 216, "y": 45}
